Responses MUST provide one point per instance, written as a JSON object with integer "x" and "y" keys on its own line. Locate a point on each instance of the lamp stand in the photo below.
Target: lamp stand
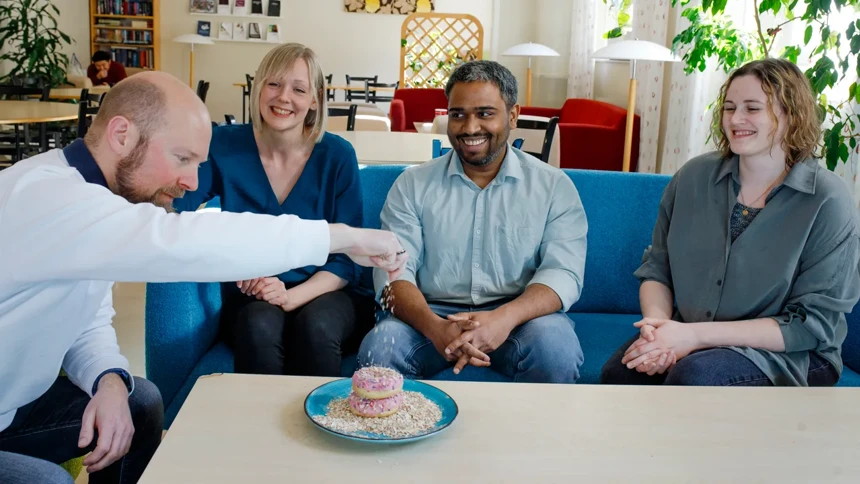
{"x": 191, "y": 70}
{"x": 631, "y": 113}
{"x": 529, "y": 83}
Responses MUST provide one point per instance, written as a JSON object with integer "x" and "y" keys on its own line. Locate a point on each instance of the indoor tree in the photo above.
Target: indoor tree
{"x": 31, "y": 42}
{"x": 832, "y": 55}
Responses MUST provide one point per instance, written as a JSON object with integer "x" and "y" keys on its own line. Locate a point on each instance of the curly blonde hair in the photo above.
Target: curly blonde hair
{"x": 783, "y": 82}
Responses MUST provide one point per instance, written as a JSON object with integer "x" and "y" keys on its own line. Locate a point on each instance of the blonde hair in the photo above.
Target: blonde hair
{"x": 277, "y": 62}
{"x": 783, "y": 82}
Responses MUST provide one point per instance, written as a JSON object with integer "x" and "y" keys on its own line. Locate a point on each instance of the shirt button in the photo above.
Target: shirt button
{"x": 719, "y": 282}
{"x": 708, "y": 314}
{"x": 477, "y": 265}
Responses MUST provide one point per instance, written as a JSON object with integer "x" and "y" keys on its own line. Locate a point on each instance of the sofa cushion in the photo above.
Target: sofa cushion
{"x": 621, "y": 209}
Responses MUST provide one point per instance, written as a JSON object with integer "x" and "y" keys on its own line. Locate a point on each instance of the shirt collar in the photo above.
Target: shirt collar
{"x": 511, "y": 166}
{"x": 79, "y": 157}
{"x": 801, "y": 177}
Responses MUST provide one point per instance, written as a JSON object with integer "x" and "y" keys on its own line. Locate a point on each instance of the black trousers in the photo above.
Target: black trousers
{"x": 310, "y": 340}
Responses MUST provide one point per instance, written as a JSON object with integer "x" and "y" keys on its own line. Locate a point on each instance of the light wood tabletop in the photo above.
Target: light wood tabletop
{"x": 392, "y": 148}
{"x": 341, "y": 88}
{"x": 20, "y": 112}
{"x": 251, "y": 428}
{"x": 70, "y": 93}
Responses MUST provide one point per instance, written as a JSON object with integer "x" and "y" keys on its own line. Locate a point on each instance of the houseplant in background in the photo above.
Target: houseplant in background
{"x": 32, "y": 42}
{"x": 832, "y": 54}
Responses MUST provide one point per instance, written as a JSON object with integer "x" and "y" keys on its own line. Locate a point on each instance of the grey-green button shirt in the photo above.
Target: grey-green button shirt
{"x": 797, "y": 262}
{"x": 472, "y": 246}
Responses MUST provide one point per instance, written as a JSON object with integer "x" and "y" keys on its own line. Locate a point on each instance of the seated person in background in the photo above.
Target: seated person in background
{"x": 299, "y": 322}
{"x": 758, "y": 246}
{"x": 499, "y": 241}
{"x": 105, "y": 71}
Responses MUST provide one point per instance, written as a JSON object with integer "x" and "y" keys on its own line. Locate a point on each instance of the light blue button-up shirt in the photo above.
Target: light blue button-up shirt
{"x": 471, "y": 246}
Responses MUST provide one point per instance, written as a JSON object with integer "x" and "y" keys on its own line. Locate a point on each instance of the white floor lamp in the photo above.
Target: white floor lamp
{"x": 530, "y": 50}
{"x": 634, "y": 50}
{"x": 192, "y": 39}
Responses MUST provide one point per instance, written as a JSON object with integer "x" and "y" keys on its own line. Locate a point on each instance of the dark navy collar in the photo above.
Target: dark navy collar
{"x": 79, "y": 157}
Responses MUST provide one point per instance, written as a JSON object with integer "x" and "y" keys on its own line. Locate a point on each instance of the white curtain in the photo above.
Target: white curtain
{"x": 580, "y": 81}
{"x": 650, "y": 22}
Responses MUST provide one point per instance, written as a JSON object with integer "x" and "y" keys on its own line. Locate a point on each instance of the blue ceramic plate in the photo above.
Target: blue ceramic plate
{"x": 317, "y": 401}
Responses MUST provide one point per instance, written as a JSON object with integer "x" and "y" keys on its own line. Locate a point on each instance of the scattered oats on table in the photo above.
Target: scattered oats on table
{"x": 417, "y": 415}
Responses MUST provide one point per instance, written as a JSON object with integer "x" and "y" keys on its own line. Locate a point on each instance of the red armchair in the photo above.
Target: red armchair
{"x": 592, "y": 134}
{"x": 415, "y": 105}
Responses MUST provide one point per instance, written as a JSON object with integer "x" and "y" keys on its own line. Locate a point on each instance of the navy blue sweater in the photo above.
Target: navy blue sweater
{"x": 328, "y": 188}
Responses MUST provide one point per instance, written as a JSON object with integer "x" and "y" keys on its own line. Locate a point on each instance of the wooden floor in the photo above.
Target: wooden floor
{"x": 128, "y": 300}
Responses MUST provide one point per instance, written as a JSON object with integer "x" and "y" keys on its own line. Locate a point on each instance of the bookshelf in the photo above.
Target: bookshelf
{"x": 129, "y": 30}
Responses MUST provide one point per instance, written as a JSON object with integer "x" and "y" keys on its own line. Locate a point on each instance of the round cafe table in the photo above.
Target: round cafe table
{"x": 25, "y": 112}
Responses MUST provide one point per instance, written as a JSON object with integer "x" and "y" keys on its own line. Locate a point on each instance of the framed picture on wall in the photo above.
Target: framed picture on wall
{"x": 391, "y": 7}
{"x": 204, "y": 6}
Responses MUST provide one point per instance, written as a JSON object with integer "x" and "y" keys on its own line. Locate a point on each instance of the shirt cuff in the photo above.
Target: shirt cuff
{"x": 560, "y": 281}
{"x": 794, "y": 334}
{"x": 129, "y": 381}
{"x": 87, "y": 380}
{"x": 380, "y": 277}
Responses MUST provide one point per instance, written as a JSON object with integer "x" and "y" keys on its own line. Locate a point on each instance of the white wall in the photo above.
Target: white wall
{"x": 347, "y": 43}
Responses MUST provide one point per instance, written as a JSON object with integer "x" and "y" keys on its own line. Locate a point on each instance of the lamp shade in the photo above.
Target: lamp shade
{"x": 636, "y": 50}
{"x": 193, "y": 39}
{"x": 530, "y": 49}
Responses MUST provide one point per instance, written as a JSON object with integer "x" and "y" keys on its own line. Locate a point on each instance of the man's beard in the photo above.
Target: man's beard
{"x": 487, "y": 159}
{"x": 125, "y": 180}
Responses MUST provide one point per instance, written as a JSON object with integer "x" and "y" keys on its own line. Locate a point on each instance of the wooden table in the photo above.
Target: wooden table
{"x": 341, "y": 88}
{"x": 249, "y": 428}
{"x": 74, "y": 93}
{"x": 23, "y": 112}
{"x": 392, "y": 148}
{"x": 26, "y": 112}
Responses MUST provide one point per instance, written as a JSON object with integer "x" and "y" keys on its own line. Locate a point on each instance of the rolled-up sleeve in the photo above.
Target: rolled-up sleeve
{"x": 827, "y": 287}
{"x": 655, "y": 260}
{"x": 563, "y": 246}
{"x": 401, "y": 215}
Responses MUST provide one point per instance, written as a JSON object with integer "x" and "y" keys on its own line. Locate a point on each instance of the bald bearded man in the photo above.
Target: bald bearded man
{"x": 74, "y": 220}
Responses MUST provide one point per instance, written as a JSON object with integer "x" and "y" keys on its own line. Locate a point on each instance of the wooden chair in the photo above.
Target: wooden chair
{"x": 349, "y": 113}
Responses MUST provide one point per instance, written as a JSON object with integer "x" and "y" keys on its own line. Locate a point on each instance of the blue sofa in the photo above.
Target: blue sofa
{"x": 182, "y": 318}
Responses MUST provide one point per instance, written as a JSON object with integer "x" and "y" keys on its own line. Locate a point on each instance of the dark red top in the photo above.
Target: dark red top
{"x": 116, "y": 73}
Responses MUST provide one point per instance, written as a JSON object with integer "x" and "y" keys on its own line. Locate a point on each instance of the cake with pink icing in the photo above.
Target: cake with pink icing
{"x": 376, "y": 382}
{"x": 382, "y": 407}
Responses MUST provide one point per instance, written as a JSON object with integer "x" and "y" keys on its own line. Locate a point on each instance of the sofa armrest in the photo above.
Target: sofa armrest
{"x": 851, "y": 345}
{"x": 539, "y": 111}
{"x": 397, "y": 113}
{"x": 181, "y": 325}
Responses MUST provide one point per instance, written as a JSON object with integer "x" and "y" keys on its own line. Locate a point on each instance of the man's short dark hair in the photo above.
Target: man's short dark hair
{"x": 486, "y": 71}
{"x": 101, "y": 55}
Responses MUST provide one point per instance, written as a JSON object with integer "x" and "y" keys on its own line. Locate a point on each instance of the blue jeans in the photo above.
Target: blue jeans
{"x": 710, "y": 367}
{"x": 543, "y": 350}
{"x": 45, "y": 433}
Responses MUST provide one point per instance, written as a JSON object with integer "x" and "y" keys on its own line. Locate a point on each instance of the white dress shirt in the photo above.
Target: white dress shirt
{"x": 64, "y": 239}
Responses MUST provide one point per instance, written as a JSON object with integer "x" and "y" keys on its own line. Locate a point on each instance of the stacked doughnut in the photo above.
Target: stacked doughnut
{"x": 376, "y": 392}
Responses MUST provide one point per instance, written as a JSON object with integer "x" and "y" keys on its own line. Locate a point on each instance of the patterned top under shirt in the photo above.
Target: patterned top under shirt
{"x": 739, "y": 221}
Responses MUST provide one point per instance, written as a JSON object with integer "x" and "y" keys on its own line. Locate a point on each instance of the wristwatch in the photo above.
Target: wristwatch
{"x": 126, "y": 378}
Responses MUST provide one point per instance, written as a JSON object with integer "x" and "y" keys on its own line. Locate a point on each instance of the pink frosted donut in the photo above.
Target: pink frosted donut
{"x": 383, "y": 407}
{"x": 375, "y": 382}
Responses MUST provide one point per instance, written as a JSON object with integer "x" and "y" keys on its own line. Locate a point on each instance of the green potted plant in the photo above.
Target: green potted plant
{"x": 713, "y": 36}
{"x": 32, "y": 42}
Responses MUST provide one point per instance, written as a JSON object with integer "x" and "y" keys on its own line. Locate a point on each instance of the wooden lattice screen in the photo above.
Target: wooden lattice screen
{"x": 433, "y": 44}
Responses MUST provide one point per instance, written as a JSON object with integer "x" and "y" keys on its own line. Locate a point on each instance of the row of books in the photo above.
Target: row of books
{"x": 239, "y": 31}
{"x": 133, "y": 56}
{"x": 222, "y": 7}
{"x": 125, "y": 7}
{"x": 124, "y": 36}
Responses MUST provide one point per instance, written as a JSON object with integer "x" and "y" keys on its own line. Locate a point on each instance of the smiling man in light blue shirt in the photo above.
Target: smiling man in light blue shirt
{"x": 498, "y": 241}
